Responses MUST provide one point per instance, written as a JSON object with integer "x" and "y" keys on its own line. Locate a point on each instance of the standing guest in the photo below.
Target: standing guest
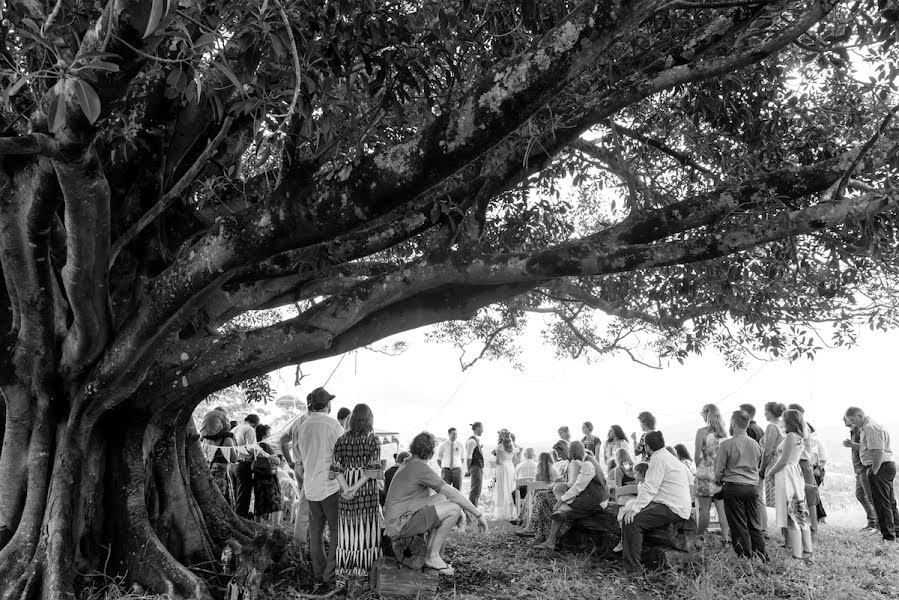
{"x": 564, "y": 434}
{"x": 647, "y": 424}
{"x": 590, "y": 441}
{"x": 314, "y": 454}
{"x": 244, "y": 436}
{"x": 862, "y": 486}
{"x": 615, "y": 439}
{"x": 391, "y": 471}
{"x": 877, "y": 457}
{"x": 516, "y": 458}
{"x": 774, "y": 435}
{"x": 805, "y": 463}
{"x": 683, "y": 455}
{"x": 708, "y": 439}
{"x": 755, "y": 430}
{"x": 474, "y": 461}
{"x": 737, "y": 470}
{"x": 357, "y": 468}
{"x": 289, "y": 440}
{"x": 664, "y": 498}
{"x": 267, "y": 496}
{"x": 583, "y": 495}
{"x": 450, "y": 455}
{"x": 411, "y": 510}
{"x": 216, "y": 438}
{"x": 526, "y": 469}
{"x": 504, "y": 489}
{"x": 792, "y": 509}
{"x": 343, "y": 417}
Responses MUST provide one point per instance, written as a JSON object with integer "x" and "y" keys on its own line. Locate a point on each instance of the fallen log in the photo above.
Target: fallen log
{"x": 392, "y": 580}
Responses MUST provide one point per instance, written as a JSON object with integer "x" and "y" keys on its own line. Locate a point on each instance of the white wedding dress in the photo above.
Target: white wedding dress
{"x": 505, "y": 486}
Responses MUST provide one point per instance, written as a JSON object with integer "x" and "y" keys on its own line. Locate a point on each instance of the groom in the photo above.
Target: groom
{"x": 474, "y": 461}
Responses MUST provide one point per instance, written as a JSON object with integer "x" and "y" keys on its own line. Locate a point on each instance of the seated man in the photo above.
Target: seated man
{"x": 664, "y": 498}
{"x": 411, "y": 510}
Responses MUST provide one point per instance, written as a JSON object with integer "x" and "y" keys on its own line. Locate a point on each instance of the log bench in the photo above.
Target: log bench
{"x": 662, "y": 547}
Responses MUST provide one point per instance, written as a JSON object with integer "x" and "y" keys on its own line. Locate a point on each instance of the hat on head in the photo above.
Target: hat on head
{"x": 319, "y": 398}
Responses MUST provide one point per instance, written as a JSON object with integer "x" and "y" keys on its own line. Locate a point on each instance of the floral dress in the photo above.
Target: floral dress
{"x": 706, "y": 487}
{"x": 359, "y": 519}
{"x": 266, "y": 489}
{"x": 791, "y": 506}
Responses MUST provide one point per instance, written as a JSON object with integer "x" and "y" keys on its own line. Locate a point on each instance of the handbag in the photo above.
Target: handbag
{"x": 705, "y": 473}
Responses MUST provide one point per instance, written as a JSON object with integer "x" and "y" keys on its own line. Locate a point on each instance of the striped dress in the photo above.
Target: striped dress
{"x": 359, "y": 520}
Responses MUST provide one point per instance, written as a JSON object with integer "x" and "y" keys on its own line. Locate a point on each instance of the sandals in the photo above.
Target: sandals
{"x": 446, "y": 571}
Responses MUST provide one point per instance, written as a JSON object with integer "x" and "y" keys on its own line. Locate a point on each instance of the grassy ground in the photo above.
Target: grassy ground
{"x": 499, "y": 565}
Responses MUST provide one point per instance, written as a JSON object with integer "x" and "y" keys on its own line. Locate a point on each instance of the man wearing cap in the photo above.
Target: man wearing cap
{"x": 244, "y": 435}
{"x": 474, "y": 461}
{"x": 313, "y": 452}
{"x": 449, "y": 459}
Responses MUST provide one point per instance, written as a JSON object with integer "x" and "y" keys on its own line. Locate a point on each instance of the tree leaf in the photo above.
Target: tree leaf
{"x": 157, "y": 11}
{"x": 18, "y": 83}
{"x": 87, "y": 99}
{"x": 56, "y": 109}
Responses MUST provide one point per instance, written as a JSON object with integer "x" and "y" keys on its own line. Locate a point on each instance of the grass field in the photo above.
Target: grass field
{"x": 848, "y": 565}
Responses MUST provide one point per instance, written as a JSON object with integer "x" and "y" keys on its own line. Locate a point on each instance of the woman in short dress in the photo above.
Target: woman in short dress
{"x": 707, "y": 440}
{"x": 357, "y": 467}
{"x": 790, "y": 503}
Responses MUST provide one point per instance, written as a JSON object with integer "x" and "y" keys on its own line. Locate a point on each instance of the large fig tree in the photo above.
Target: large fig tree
{"x": 711, "y": 172}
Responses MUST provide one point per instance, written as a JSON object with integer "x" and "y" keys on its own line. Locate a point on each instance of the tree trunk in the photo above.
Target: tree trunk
{"x": 128, "y": 496}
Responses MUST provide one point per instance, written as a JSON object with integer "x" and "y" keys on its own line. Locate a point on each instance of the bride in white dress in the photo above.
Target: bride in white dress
{"x": 505, "y": 478}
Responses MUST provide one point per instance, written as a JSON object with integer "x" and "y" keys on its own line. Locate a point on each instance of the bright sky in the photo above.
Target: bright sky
{"x": 425, "y": 388}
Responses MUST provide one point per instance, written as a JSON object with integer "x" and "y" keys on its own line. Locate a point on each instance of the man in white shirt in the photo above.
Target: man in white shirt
{"x": 877, "y": 457}
{"x": 314, "y": 452}
{"x": 244, "y": 435}
{"x": 664, "y": 498}
{"x": 474, "y": 461}
{"x": 450, "y": 455}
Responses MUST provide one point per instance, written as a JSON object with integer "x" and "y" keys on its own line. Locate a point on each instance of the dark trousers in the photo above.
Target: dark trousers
{"x": 320, "y": 513}
{"x": 884, "y": 499}
{"x": 741, "y": 507}
{"x": 243, "y": 487}
{"x": 477, "y": 476}
{"x": 453, "y": 477}
{"x": 819, "y": 481}
{"x": 863, "y": 495}
{"x": 653, "y": 516}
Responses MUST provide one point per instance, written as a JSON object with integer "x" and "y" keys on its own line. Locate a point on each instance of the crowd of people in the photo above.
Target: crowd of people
{"x": 341, "y": 492}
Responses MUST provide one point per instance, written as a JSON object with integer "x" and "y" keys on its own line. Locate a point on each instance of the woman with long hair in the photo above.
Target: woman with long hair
{"x": 546, "y": 472}
{"x": 707, "y": 440}
{"x": 615, "y": 439}
{"x": 771, "y": 439}
{"x": 623, "y": 473}
{"x": 505, "y": 477}
{"x": 683, "y": 455}
{"x": 357, "y": 467}
{"x": 793, "y": 516}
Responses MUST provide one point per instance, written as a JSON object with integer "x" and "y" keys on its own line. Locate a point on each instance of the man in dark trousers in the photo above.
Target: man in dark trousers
{"x": 737, "y": 470}
{"x": 877, "y": 457}
{"x": 474, "y": 461}
{"x": 664, "y": 498}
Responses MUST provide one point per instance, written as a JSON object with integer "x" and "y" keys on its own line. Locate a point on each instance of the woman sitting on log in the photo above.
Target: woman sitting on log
{"x": 583, "y": 494}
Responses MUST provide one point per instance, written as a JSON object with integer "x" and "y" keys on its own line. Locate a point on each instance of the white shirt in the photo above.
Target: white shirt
{"x": 585, "y": 472}
{"x": 526, "y": 469}
{"x": 244, "y": 435}
{"x": 470, "y": 445}
{"x": 451, "y": 455}
{"x": 314, "y": 449}
{"x": 819, "y": 452}
{"x": 667, "y": 482}
{"x": 561, "y": 466}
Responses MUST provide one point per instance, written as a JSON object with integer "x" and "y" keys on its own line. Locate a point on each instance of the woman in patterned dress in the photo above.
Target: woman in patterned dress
{"x": 357, "y": 467}
{"x": 792, "y": 509}
{"x": 707, "y": 440}
{"x": 773, "y": 436}
{"x": 216, "y": 438}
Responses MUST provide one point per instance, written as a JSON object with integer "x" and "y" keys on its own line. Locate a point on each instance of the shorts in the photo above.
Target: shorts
{"x": 422, "y": 521}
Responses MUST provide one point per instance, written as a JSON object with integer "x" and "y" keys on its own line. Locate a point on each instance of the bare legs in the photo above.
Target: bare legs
{"x": 449, "y": 514}
{"x": 705, "y": 507}
{"x": 799, "y": 542}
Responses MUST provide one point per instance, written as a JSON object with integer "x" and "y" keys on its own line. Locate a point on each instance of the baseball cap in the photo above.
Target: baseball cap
{"x": 318, "y": 398}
